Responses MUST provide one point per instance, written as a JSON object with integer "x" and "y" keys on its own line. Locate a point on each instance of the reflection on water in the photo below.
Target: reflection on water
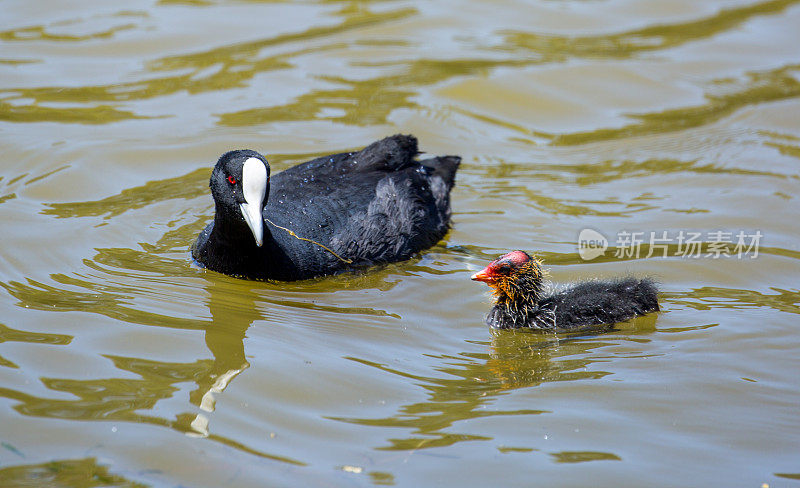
{"x": 111, "y": 398}
{"x": 233, "y": 66}
{"x": 51, "y": 32}
{"x": 186, "y": 187}
{"x": 473, "y": 381}
{"x": 67, "y": 473}
{"x": 710, "y": 297}
{"x": 7, "y": 334}
{"x": 244, "y": 53}
{"x": 385, "y": 94}
{"x": 583, "y": 456}
{"x": 725, "y": 98}
{"x": 232, "y": 310}
{"x": 651, "y": 38}
{"x": 583, "y": 174}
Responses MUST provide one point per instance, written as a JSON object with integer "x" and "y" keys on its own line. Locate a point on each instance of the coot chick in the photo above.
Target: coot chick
{"x": 325, "y": 216}
{"x": 523, "y": 301}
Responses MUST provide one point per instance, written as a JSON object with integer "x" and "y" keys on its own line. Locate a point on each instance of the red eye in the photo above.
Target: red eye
{"x": 231, "y": 180}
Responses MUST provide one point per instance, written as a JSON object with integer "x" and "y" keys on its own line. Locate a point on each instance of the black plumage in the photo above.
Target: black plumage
{"x": 523, "y": 301}
{"x": 377, "y": 205}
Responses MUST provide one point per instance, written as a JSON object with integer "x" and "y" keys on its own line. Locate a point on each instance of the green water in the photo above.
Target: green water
{"x": 123, "y": 364}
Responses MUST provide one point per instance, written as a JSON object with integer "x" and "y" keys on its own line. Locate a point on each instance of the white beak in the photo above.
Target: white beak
{"x": 254, "y": 186}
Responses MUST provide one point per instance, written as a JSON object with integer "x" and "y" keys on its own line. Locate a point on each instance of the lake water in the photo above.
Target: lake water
{"x": 653, "y": 123}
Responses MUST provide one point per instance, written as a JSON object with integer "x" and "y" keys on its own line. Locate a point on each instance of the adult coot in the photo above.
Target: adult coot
{"x": 328, "y": 215}
{"x": 523, "y": 302}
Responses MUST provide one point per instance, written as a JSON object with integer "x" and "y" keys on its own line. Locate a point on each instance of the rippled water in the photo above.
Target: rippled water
{"x": 123, "y": 364}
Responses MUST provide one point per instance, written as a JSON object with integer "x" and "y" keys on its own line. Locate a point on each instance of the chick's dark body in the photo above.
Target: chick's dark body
{"x": 523, "y": 301}
{"x": 377, "y": 205}
{"x": 580, "y": 306}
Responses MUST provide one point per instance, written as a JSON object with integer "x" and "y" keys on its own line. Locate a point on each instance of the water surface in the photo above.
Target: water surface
{"x": 124, "y": 364}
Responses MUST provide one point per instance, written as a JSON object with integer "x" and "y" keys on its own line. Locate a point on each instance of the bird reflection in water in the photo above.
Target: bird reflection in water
{"x": 225, "y": 339}
{"x": 468, "y": 383}
{"x": 121, "y": 286}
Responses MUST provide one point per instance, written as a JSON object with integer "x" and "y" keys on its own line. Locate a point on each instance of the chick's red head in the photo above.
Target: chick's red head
{"x": 515, "y": 275}
{"x": 503, "y": 267}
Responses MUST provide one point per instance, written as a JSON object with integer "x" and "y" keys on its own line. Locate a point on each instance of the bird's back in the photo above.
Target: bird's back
{"x": 372, "y": 206}
{"x": 602, "y": 302}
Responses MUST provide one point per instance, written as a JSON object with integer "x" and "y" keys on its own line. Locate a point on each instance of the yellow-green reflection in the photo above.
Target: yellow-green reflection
{"x": 111, "y": 398}
{"x": 40, "y": 33}
{"x": 234, "y": 65}
{"x": 472, "y": 381}
{"x": 585, "y": 174}
{"x": 760, "y": 87}
{"x": 370, "y": 101}
{"x": 792, "y": 150}
{"x": 723, "y": 97}
{"x": 380, "y": 478}
{"x": 366, "y": 102}
{"x": 65, "y": 473}
{"x": 245, "y": 53}
{"x": 232, "y": 307}
{"x": 710, "y": 297}
{"x": 583, "y": 456}
{"x": 15, "y": 62}
{"x": 195, "y": 3}
{"x": 651, "y": 38}
{"x": 99, "y": 114}
{"x": 7, "y": 334}
{"x": 187, "y": 186}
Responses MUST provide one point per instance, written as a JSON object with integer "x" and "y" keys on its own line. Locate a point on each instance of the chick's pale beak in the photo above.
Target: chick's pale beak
{"x": 483, "y": 275}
